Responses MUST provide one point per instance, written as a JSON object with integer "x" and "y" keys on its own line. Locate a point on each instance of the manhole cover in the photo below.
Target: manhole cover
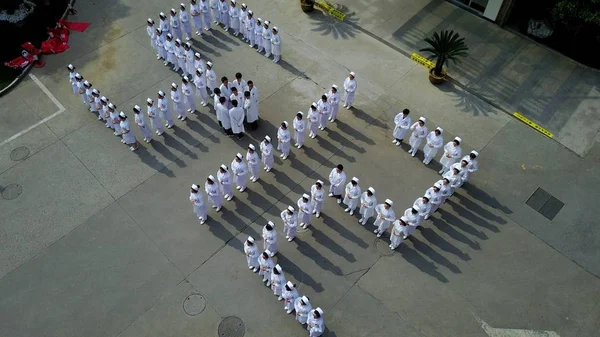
{"x": 544, "y": 203}
{"x": 232, "y": 327}
{"x": 382, "y": 247}
{"x": 194, "y": 304}
{"x": 19, "y": 153}
{"x": 12, "y": 191}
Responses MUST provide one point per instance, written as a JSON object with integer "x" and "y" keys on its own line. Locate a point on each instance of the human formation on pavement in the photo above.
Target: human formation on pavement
{"x": 236, "y": 107}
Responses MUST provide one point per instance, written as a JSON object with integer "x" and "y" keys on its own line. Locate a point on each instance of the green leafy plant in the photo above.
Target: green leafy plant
{"x": 574, "y": 14}
{"x": 445, "y": 46}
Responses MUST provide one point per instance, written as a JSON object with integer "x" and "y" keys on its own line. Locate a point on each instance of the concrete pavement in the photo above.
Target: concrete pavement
{"x": 103, "y": 241}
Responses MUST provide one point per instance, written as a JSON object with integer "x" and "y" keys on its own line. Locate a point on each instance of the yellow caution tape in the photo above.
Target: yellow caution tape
{"x": 327, "y": 8}
{"x": 422, "y": 61}
{"x": 533, "y": 125}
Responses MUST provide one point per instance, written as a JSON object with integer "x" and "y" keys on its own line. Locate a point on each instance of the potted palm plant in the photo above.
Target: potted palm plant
{"x": 307, "y": 5}
{"x": 444, "y": 46}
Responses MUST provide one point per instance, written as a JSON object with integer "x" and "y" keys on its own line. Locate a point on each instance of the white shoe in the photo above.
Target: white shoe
{"x": 170, "y": 126}
{"x": 160, "y": 133}
{"x": 281, "y": 155}
{"x": 395, "y": 141}
{"x": 122, "y": 141}
{"x": 410, "y": 151}
{"x": 351, "y": 212}
{"x": 184, "y": 118}
{"x": 348, "y": 107}
{"x": 330, "y": 194}
{"x": 238, "y": 187}
{"x": 339, "y": 201}
{"x": 255, "y": 179}
{"x": 284, "y": 158}
{"x": 363, "y": 223}
{"x": 296, "y": 144}
{"x": 360, "y": 220}
{"x": 179, "y": 117}
{"x": 255, "y": 270}
{"x": 156, "y": 132}
{"x": 280, "y": 298}
{"x": 204, "y": 104}
{"x": 218, "y": 209}
{"x": 289, "y": 311}
{"x": 345, "y": 105}
{"x": 379, "y": 235}
{"x": 189, "y": 110}
{"x": 299, "y": 146}
{"x": 265, "y": 168}
{"x": 251, "y": 46}
{"x": 290, "y": 239}
{"x": 202, "y": 221}
{"x": 427, "y": 217}
{"x": 313, "y": 136}
{"x": 376, "y": 231}
{"x": 242, "y": 189}
{"x": 287, "y": 236}
{"x": 318, "y": 215}
{"x": 268, "y": 170}
{"x": 398, "y": 143}
{"x": 347, "y": 209}
{"x": 250, "y": 267}
{"x": 314, "y": 212}
{"x": 133, "y": 148}
{"x": 230, "y": 198}
{"x": 268, "y": 283}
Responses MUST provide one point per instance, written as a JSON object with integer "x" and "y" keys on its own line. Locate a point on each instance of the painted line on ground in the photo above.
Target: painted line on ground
{"x": 60, "y": 107}
{"x": 533, "y": 125}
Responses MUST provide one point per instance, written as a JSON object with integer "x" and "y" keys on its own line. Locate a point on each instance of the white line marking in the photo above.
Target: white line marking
{"x": 495, "y": 332}
{"x": 60, "y": 107}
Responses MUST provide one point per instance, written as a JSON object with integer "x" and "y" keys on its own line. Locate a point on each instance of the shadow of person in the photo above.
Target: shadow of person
{"x": 453, "y": 233}
{"x": 163, "y": 150}
{"x": 328, "y": 146}
{"x": 216, "y": 42}
{"x": 170, "y": 141}
{"x": 273, "y": 191}
{"x": 434, "y": 238}
{"x": 203, "y": 48}
{"x": 199, "y": 129}
{"x": 482, "y": 196}
{"x": 150, "y": 160}
{"x": 470, "y": 205}
{"x": 283, "y": 178}
{"x": 352, "y": 132}
{"x": 343, "y": 231}
{"x": 224, "y": 37}
{"x": 208, "y": 120}
{"x": 457, "y": 222}
{"x": 295, "y": 71}
{"x": 360, "y": 114}
{"x": 343, "y": 141}
{"x": 433, "y": 255}
{"x": 330, "y": 244}
{"x": 467, "y": 214}
{"x": 292, "y": 269}
{"x": 313, "y": 154}
{"x": 304, "y": 248}
{"x": 413, "y": 257}
{"x": 257, "y": 199}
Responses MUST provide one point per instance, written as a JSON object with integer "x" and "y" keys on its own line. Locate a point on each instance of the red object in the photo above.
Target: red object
{"x": 76, "y": 26}
{"x": 57, "y": 43}
{"x": 28, "y": 55}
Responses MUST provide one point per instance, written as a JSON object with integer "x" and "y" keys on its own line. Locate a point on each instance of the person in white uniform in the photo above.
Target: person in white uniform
{"x": 237, "y": 95}
{"x": 225, "y": 90}
{"x": 180, "y": 56}
{"x": 270, "y": 238}
{"x": 435, "y": 141}
{"x": 154, "y": 116}
{"x": 352, "y": 196}
{"x": 266, "y": 149}
{"x": 276, "y": 44}
{"x": 87, "y": 94}
{"x": 445, "y": 191}
{"x": 104, "y": 112}
{"x": 163, "y": 24}
{"x": 462, "y": 168}
{"x": 225, "y": 182}
{"x": 303, "y": 308}
{"x": 454, "y": 177}
{"x": 215, "y": 6}
{"x": 258, "y": 28}
{"x": 188, "y": 95}
{"x": 290, "y": 294}
{"x": 400, "y": 231}
{"x": 266, "y": 266}
{"x": 223, "y": 115}
{"x": 423, "y": 206}
{"x": 196, "y": 13}
{"x": 72, "y": 80}
{"x": 169, "y": 46}
{"x": 290, "y": 223}
{"x": 313, "y": 120}
{"x": 189, "y": 60}
{"x": 385, "y": 216}
{"x": 175, "y": 24}
{"x": 413, "y": 219}
{"x": 97, "y": 105}
{"x": 184, "y": 17}
{"x": 234, "y": 17}
{"x": 200, "y": 83}
{"x": 239, "y": 83}
{"x": 337, "y": 178}
{"x": 367, "y": 205}
{"x": 178, "y": 106}
{"x": 236, "y": 116}
{"x": 253, "y": 161}
{"x": 224, "y": 14}
{"x": 252, "y": 254}
{"x": 304, "y": 210}
{"x": 324, "y": 112}
{"x": 80, "y": 89}
{"x": 211, "y": 78}
{"x": 419, "y": 132}
{"x": 115, "y": 120}
{"x": 213, "y": 193}
{"x": 452, "y": 151}
{"x": 165, "y": 110}
{"x": 251, "y": 110}
{"x": 250, "y": 26}
{"x": 205, "y": 10}
{"x": 317, "y": 198}
{"x": 349, "y": 90}
{"x": 283, "y": 138}
{"x": 240, "y": 172}
{"x": 333, "y": 98}
{"x": 198, "y": 62}
{"x": 152, "y": 35}
{"x": 315, "y": 324}
{"x": 472, "y": 165}
{"x": 127, "y": 134}
{"x": 242, "y": 17}
{"x": 402, "y": 123}
{"x": 435, "y": 198}
{"x": 160, "y": 45}
{"x": 266, "y": 38}
{"x": 141, "y": 123}
{"x": 299, "y": 127}
{"x": 277, "y": 281}
{"x": 198, "y": 203}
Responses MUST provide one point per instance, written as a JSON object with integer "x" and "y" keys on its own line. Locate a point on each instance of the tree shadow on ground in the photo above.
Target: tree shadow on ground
{"x": 327, "y": 25}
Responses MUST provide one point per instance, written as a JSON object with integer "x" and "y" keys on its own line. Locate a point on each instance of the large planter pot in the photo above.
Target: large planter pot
{"x": 307, "y": 6}
{"x": 434, "y": 79}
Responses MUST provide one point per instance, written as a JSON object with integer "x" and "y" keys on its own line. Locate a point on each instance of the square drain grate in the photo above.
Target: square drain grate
{"x": 544, "y": 203}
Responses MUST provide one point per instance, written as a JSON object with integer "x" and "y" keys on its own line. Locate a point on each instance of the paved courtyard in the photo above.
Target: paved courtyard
{"x": 103, "y": 242}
